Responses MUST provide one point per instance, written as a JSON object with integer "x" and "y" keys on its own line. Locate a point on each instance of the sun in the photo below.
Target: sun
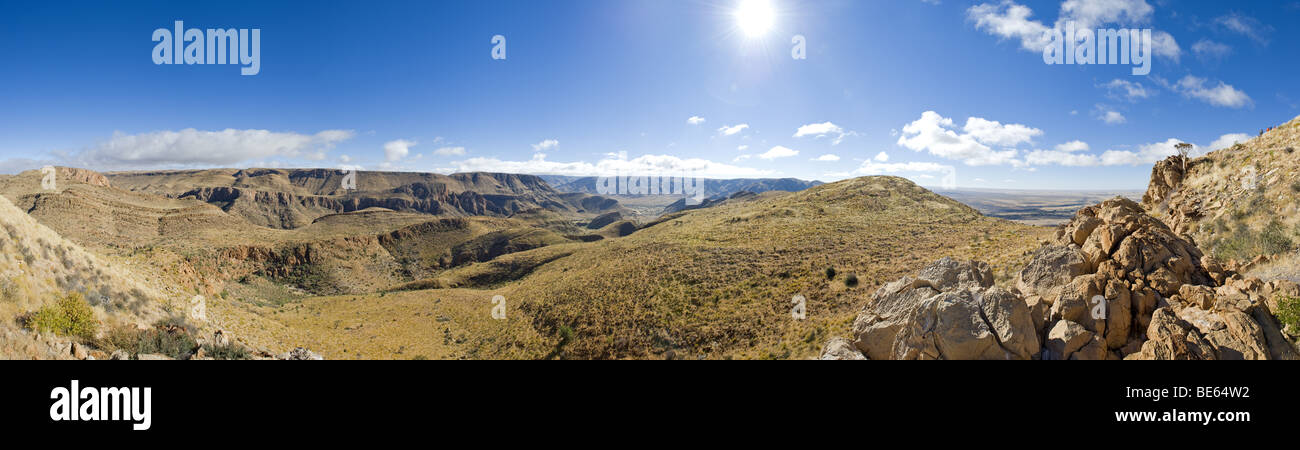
{"x": 755, "y": 17}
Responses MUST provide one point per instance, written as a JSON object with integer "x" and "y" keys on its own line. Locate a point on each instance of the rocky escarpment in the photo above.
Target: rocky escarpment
{"x": 292, "y": 198}
{"x": 1238, "y": 202}
{"x": 1115, "y": 284}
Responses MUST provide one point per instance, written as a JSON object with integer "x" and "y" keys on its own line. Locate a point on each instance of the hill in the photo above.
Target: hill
{"x": 1241, "y": 203}
{"x": 706, "y": 283}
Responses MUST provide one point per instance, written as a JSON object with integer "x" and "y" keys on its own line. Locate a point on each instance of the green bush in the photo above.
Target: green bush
{"x": 1245, "y": 244}
{"x": 1288, "y": 313}
{"x": 228, "y": 351}
{"x": 830, "y": 273}
{"x": 851, "y": 280}
{"x": 170, "y": 336}
{"x": 69, "y": 316}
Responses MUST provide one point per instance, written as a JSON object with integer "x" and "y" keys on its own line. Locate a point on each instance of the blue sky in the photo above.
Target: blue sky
{"x": 918, "y": 88}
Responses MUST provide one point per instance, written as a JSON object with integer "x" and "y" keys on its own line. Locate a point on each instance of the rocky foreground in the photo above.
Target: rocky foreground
{"x": 1115, "y": 284}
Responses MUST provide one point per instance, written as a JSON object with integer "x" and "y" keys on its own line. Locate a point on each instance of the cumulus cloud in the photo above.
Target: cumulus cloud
{"x": 742, "y": 147}
{"x": 195, "y": 148}
{"x": 1010, "y": 20}
{"x": 1072, "y": 146}
{"x": 1126, "y": 90}
{"x": 398, "y": 149}
{"x": 992, "y": 132}
{"x": 1110, "y": 116}
{"x": 546, "y": 145}
{"x": 611, "y": 166}
{"x": 932, "y": 133}
{"x": 824, "y": 129}
{"x": 881, "y": 157}
{"x": 1145, "y": 154}
{"x": 695, "y": 120}
{"x": 778, "y": 152}
{"x": 731, "y": 130}
{"x": 827, "y": 157}
{"x": 1228, "y": 140}
{"x": 1221, "y": 94}
{"x": 450, "y": 151}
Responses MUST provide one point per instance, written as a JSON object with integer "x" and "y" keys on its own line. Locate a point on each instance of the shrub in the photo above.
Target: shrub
{"x": 830, "y": 273}
{"x": 69, "y": 316}
{"x": 228, "y": 351}
{"x": 170, "y": 336}
{"x": 1288, "y": 313}
{"x": 851, "y": 280}
{"x": 175, "y": 343}
{"x": 1244, "y": 243}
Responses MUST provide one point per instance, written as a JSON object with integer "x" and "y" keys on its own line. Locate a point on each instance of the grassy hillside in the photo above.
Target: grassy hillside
{"x": 711, "y": 283}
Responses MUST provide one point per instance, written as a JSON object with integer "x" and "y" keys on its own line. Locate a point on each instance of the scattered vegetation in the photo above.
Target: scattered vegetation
{"x": 229, "y": 351}
{"x": 170, "y": 337}
{"x": 1288, "y": 313}
{"x": 71, "y": 315}
{"x": 830, "y": 273}
{"x": 1244, "y": 243}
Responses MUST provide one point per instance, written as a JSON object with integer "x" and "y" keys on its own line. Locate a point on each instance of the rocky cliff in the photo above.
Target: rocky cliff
{"x": 1116, "y": 283}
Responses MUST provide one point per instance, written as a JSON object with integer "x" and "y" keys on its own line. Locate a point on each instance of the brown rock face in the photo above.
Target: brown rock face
{"x": 949, "y": 311}
{"x": 1166, "y": 177}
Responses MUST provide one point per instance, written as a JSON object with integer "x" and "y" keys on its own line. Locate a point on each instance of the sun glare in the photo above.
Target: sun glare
{"x": 755, "y": 17}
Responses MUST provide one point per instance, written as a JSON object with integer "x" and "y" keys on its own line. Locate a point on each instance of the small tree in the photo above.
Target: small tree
{"x": 1183, "y": 149}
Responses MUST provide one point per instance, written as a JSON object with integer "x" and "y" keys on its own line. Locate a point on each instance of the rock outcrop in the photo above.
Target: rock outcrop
{"x": 1116, "y": 284}
{"x": 950, "y": 310}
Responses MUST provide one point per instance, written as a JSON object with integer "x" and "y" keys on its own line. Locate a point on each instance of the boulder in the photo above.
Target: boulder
{"x": 840, "y": 349}
{"x": 948, "y": 311}
{"x": 1052, "y": 266}
{"x": 1171, "y": 338}
{"x": 1065, "y": 338}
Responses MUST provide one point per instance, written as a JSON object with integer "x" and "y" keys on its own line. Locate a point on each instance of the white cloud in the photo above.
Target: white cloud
{"x": 824, "y": 129}
{"x": 1146, "y": 154}
{"x": 1072, "y": 146}
{"x": 742, "y": 147}
{"x": 742, "y": 157}
{"x": 1060, "y": 158}
{"x": 778, "y": 152}
{"x": 1110, "y": 116}
{"x": 1127, "y": 90}
{"x": 728, "y": 131}
{"x": 345, "y": 159}
{"x": 450, "y": 151}
{"x": 398, "y": 149}
{"x": 881, "y": 157}
{"x": 1247, "y": 26}
{"x": 827, "y": 157}
{"x": 1009, "y": 20}
{"x": 695, "y": 120}
{"x": 992, "y": 132}
{"x": 1206, "y": 49}
{"x": 1064, "y": 155}
{"x": 193, "y": 148}
{"x": 931, "y": 133}
{"x": 1223, "y": 94}
{"x": 546, "y": 145}
{"x": 611, "y": 166}
{"x": 1228, "y": 140}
